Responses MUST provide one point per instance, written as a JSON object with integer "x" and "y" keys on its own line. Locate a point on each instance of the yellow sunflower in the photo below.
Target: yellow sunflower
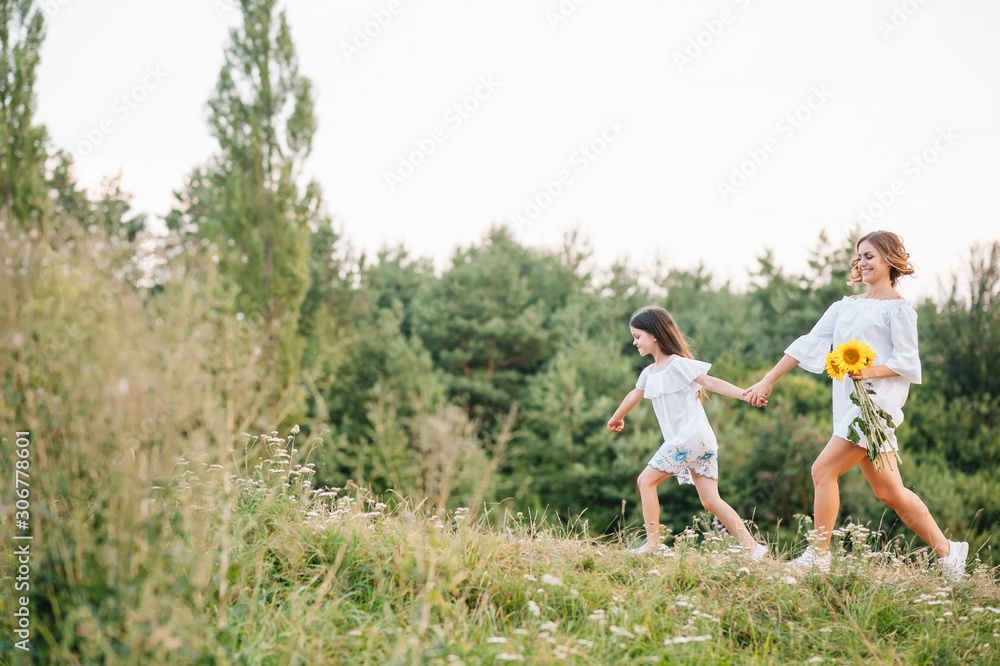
{"x": 833, "y": 367}
{"x": 853, "y": 355}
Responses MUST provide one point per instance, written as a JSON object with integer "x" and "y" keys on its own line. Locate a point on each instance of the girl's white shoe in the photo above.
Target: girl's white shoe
{"x": 758, "y": 553}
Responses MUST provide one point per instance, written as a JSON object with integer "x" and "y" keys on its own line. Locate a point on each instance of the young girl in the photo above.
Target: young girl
{"x": 689, "y": 445}
{"x": 888, "y": 323}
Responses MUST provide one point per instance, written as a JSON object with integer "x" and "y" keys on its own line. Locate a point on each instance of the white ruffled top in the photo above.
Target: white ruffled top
{"x": 890, "y": 328}
{"x": 675, "y": 401}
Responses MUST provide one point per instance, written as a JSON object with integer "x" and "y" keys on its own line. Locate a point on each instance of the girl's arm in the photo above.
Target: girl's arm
{"x": 721, "y": 386}
{"x": 617, "y": 422}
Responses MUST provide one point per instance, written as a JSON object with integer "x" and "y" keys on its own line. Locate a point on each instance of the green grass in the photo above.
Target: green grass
{"x": 339, "y": 576}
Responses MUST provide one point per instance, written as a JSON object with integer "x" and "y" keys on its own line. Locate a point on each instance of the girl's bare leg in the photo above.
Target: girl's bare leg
{"x": 837, "y": 457}
{"x": 888, "y": 487}
{"x": 708, "y": 492}
{"x": 647, "y": 482}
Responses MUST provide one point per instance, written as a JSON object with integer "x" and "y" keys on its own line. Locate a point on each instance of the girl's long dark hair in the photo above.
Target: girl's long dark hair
{"x": 656, "y": 321}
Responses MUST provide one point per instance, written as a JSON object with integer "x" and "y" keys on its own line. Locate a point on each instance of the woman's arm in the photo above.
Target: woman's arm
{"x": 875, "y": 372}
{"x": 617, "y": 422}
{"x": 757, "y": 394}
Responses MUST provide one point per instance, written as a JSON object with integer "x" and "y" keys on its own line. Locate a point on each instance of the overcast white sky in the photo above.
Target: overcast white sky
{"x": 839, "y": 103}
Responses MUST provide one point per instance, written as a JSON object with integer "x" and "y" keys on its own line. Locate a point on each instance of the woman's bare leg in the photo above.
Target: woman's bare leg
{"x": 888, "y": 487}
{"x": 837, "y": 457}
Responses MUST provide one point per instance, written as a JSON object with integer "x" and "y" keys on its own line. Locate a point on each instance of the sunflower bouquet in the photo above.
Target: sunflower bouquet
{"x": 847, "y": 359}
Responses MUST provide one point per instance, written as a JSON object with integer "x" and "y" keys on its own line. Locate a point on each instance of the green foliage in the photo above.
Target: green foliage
{"x": 121, "y": 391}
{"x": 489, "y": 322}
{"x": 247, "y": 200}
{"x": 564, "y": 458}
{"x": 960, "y": 336}
{"x": 785, "y": 307}
{"x": 23, "y": 192}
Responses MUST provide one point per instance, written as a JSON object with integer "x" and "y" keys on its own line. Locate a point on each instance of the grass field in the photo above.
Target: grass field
{"x": 258, "y": 568}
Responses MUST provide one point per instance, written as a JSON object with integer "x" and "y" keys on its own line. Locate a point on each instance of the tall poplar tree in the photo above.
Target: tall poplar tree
{"x": 247, "y": 199}
{"x": 23, "y": 190}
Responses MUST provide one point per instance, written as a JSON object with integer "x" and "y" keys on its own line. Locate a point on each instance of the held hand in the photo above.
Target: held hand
{"x": 757, "y": 394}
{"x": 616, "y": 425}
{"x": 752, "y": 401}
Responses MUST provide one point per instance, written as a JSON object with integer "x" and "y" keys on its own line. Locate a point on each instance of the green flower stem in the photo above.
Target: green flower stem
{"x": 873, "y": 425}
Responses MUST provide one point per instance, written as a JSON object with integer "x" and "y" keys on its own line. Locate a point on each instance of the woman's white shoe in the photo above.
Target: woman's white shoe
{"x": 813, "y": 558}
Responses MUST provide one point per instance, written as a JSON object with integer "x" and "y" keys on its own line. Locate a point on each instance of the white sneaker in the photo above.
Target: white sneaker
{"x": 953, "y": 566}
{"x": 813, "y": 558}
{"x": 650, "y": 548}
{"x": 758, "y": 553}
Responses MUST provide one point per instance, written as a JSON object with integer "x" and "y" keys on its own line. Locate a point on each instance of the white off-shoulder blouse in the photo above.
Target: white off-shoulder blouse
{"x": 887, "y": 326}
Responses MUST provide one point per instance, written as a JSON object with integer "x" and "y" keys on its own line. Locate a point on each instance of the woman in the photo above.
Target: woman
{"x": 885, "y": 321}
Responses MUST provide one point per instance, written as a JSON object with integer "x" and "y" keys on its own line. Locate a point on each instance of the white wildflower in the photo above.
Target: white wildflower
{"x": 619, "y": 631}
{"x": 496, "y": 639}
{"x": 534, "y": 609}
{"x": 504, "y": 656}
{"x": 548, "y": 579}
{"x": 686, "y": 639}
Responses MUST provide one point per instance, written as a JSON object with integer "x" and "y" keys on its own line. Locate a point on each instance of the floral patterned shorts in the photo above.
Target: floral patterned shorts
{"x": 681, "y": 459}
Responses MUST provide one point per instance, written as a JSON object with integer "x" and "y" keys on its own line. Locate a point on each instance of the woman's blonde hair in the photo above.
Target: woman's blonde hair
{"x": 890, "y": 246}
